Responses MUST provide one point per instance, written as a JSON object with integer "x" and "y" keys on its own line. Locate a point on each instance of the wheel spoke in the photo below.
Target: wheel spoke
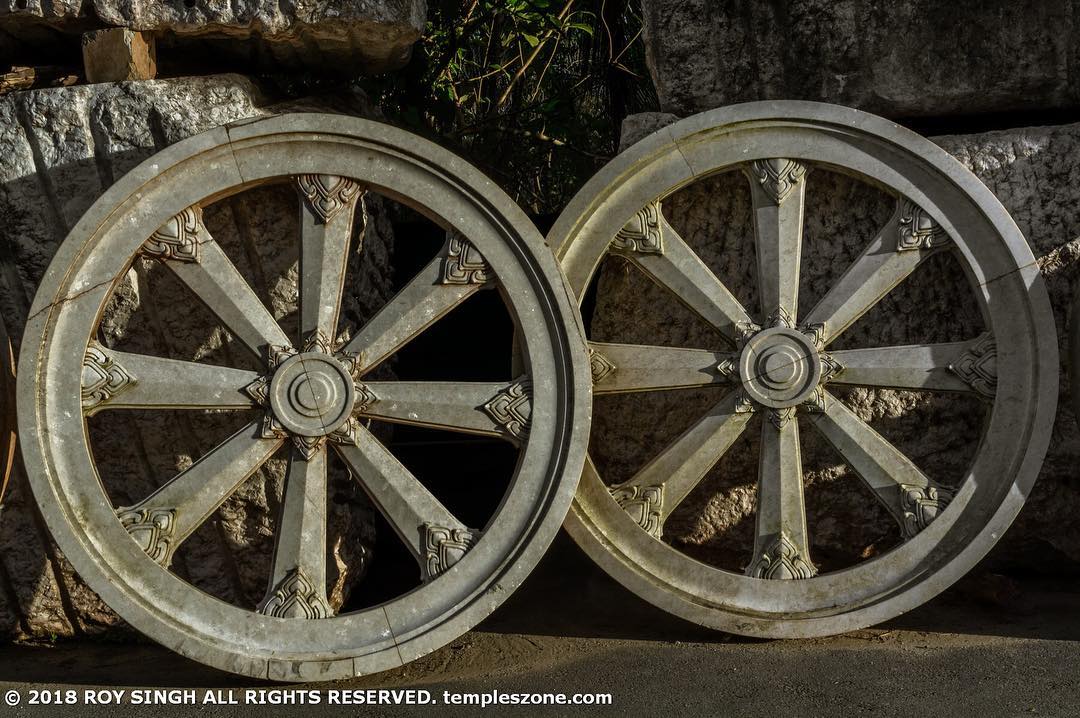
{"x": 326, "y": 221}
{"x": 163, "y": 520}
{"x": 186, "y": 247}
{"x": 619, "y": 368}
{"x": 447, "y": 281}
{"x": 432, "y": 534}
{"x": 498, "y": 409}
{"x": 931, "y": 367}
{"x": 654, "y": 492}
{"x": 656, "y": 248}
{"x": 298, "y": 578}
{"x": 119, "y": 380}
{"x": 778, "y": 190}
{"x": 906, "y": 492}
{"x": 886, "y": 262}
{"x": 782, "y": 545}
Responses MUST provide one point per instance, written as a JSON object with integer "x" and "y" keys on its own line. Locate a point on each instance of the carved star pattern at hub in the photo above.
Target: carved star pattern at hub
{"x": 772, "y": 364}
{"x": 312, "y": 410}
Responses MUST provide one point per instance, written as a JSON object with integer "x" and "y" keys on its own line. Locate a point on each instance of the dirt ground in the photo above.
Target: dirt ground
{"x": 991, "y": 646}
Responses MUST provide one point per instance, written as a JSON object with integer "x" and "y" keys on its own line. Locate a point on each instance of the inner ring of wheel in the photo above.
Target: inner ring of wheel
{"x": 994, "y": 255}
{"x": 311, "y": 394}
{"x": 779, "y": 367}
{"x": 207, "y": 168}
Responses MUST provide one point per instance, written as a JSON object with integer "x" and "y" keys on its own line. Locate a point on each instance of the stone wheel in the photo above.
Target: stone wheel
{"x": 314, "y": 398}
{"x": 779, "y": 372}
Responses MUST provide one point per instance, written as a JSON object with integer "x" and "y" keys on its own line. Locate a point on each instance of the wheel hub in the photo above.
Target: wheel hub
{"x": 311, "y": 394}
{"x": 779, "y": 367}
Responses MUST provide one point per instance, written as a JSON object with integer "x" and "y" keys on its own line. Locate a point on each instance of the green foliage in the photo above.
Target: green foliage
{"x": 533, "y": 91}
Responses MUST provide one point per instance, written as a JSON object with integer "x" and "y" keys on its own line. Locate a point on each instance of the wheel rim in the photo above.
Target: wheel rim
{"x": 774, "y": 364}
{"x": 310, "y": 395}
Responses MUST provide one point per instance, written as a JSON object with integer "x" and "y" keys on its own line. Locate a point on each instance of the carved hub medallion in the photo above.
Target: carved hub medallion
{"x": 779, "y": 367}
{"x": 311, "y": 394}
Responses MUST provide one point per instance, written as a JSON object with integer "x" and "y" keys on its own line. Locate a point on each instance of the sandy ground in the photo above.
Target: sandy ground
{"x": 991, "y": 646}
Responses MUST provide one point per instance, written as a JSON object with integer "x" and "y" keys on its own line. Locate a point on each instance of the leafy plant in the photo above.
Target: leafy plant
{"x": 534, "y": 91}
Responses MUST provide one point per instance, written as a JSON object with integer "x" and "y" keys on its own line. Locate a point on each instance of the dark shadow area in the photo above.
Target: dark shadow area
{"x": 568, "y": 595}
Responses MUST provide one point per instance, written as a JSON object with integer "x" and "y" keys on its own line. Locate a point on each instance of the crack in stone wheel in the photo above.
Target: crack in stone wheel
{"x": 313, "y": 398}
{"x": 779, "y": 372}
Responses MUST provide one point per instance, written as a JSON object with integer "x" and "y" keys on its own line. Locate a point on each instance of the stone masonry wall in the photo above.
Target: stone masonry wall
{"x": 902, "y": 58}
{"x": 326, "y": 35}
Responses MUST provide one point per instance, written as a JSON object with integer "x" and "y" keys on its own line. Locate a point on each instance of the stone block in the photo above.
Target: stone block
{"x": 328, "y": 35}
{"x": 117, "y": 55}
{"x": 336, "y": 36}
{"x": 899, "y": 59}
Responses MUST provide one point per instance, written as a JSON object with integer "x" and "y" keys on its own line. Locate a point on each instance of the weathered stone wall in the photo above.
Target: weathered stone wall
{"x": 901, "y": 60}
{"x": 329, "y": 35}
{"x": 59, "y": 150}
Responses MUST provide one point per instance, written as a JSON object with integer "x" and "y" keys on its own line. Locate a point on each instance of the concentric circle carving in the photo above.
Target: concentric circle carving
{"x": 779, "y": 368}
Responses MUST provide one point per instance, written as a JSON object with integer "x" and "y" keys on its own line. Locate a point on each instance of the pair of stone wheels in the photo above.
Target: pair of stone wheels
{"x": 316, "y": 394}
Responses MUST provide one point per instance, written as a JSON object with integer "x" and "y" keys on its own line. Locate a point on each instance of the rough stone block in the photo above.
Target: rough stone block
{"x": 59, "y": 150}
{"x": 1034, "y": 172}
{"x": 898, "y": 59}
{"x": 377, "y": 34}
{"x": 116, "y": 55}
{"x": 329, "y": 35}
{"x": 42, "y": 9}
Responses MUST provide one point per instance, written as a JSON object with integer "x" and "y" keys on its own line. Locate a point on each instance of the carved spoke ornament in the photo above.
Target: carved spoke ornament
{"x": 313, "y": 398}
{"x": 781, "y": 374}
